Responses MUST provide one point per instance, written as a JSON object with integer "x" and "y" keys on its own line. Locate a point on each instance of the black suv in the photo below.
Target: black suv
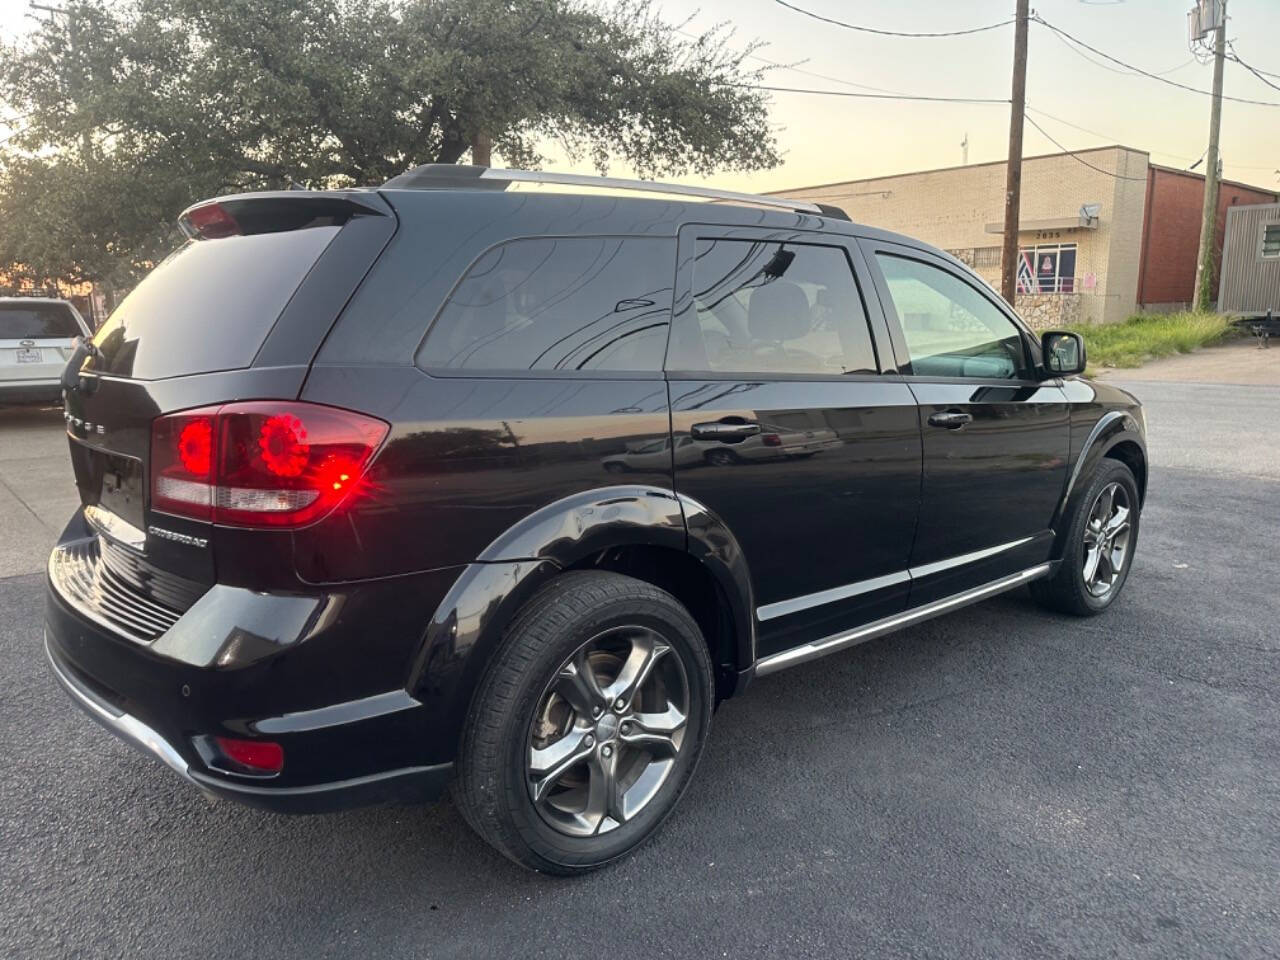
{"x": 467, "y": 481}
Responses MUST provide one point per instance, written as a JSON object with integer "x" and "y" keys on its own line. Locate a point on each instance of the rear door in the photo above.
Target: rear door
{"x": 36, "y": 338}
{"x": 809, "y": 456}
{"x": 996, "y": 438}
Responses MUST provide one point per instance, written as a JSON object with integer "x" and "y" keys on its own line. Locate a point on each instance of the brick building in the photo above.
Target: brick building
{"x": 1171, "y": 233}
{"x": 1089, "y": 235}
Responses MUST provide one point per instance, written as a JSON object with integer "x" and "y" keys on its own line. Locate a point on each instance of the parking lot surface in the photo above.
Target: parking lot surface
{"x": 1002, "y": 782}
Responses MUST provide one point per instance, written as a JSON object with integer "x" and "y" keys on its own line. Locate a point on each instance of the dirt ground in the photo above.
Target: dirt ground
{"x": 1238, "y": 362}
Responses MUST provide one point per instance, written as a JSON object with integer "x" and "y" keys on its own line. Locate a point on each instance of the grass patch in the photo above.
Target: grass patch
{"x": 1147, "y": 336}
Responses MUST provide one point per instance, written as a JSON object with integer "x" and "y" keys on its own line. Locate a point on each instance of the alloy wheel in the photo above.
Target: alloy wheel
{"x": 1106, "y": 539}
{"x": 607, "y": 731}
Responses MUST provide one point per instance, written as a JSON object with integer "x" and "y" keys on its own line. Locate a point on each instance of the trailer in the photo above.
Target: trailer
{"x": 1249, "y": 280}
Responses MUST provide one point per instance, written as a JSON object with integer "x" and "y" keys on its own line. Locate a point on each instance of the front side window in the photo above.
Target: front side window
{"x": 951, "y": 329}
{"x": 768, "y": 307}
{"x": 562, "y": 304}
{"x": 1271, "y": 240}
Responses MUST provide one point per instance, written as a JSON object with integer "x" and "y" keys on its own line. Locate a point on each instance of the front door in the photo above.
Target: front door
{"x": 790, "y": 434}
{"x": 996, "y": 438}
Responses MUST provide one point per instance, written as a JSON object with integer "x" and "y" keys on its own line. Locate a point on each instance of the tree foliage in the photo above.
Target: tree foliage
{"x": 131, "y": 109}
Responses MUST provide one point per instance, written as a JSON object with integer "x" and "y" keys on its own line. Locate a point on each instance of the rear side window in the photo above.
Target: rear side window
{"x": 37, "y": 321}
{"x": 558, "y": 304}
{"x": 769, "y": 307}
{"x": 209, "y": 305}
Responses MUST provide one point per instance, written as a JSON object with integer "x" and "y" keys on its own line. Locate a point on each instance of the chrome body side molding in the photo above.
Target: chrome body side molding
{"x": 842, "y": 641}
{"x": 784, "y": 608}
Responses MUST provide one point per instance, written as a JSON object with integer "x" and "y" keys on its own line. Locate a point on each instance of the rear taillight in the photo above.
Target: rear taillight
{"x": 265, "y": 463}
{"x": 771, "y": 440}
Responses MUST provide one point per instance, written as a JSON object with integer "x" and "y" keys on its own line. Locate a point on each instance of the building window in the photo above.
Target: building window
{"x": 986, "y": 258}
{"x": 1047, "y": 268}
{"x": 1271, "y": 240}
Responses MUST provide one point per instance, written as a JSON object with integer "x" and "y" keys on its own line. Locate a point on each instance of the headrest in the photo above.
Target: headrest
{"x": 778, "y": 311}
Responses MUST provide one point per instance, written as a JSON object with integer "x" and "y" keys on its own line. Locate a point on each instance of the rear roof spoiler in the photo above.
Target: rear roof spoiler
{"x": 273, "y": 211}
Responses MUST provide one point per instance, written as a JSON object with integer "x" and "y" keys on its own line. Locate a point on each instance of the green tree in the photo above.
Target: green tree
{"x": 131, "y": 109}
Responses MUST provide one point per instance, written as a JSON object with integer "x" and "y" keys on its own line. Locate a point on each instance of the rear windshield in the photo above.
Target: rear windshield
{"x": 37, "y": 321}
{"x": 209, "y": 305}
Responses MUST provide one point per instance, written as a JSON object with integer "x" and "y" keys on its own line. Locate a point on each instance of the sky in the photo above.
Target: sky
{"x": 1081, "y": 104}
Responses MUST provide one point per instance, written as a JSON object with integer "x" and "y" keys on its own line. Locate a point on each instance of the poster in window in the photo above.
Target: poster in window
{"x": 1047, "y": 270}
{"x": 1026, "y": 272}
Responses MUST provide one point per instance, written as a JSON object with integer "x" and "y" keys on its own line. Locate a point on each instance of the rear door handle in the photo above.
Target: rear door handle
{"x": 725, "y": 432}
{"x": 950, "y": 420}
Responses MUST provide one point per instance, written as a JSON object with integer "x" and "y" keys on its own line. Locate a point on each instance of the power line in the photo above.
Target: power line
{"x": 891, "y": 33}
{"x": 1122, "y": 72}
{"x": 1260, "y": 74}
{"x": 865, "y": 96}
{"x": 1078, "y": 159}
{"x": 1146, "y": 73}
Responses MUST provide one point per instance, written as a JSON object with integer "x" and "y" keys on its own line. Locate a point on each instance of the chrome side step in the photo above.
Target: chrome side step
{"x": 842, "y": 641}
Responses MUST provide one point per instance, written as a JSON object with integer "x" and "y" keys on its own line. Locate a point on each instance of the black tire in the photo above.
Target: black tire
{"x": 1066, "y": 591}
{"x": 492, "y": 788}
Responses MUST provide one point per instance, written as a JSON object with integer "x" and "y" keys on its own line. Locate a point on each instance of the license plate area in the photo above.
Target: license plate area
{"x": 30, "y": 355}
{"x": 110, "y": 480}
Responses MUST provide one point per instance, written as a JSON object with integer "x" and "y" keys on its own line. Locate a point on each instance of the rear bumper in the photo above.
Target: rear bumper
{"x": 31, "y": 391}
{"x": 321, "y": 672}
{"x": 406, "y": 785}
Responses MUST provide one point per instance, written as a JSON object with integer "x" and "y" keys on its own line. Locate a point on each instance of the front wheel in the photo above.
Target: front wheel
{"x": 588, "y": 725}
{"x": 1102, "y": 534}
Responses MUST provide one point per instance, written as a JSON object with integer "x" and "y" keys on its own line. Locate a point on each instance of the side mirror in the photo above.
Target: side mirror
{"x": 1063, "y": 353}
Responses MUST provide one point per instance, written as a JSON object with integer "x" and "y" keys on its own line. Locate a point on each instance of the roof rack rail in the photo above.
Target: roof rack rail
{"x": 444, "y": 172}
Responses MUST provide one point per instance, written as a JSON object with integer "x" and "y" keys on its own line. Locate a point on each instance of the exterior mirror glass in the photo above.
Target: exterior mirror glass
{"x": 1063, "y": 353}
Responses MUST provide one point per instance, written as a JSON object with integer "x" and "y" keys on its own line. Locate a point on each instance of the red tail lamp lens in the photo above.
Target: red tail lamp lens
{"x": 260, "y": 464}
{"x": 771, "y": 440}
{"x": 259, "y": 756}
{"x": 195, "y": 446}
{"x": 283, "y": 445}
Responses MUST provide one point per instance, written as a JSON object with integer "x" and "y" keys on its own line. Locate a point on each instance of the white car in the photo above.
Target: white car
{"x": 36, "y": 341}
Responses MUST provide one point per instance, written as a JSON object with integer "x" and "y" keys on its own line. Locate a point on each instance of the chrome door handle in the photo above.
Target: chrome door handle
{"x": 726, "y": 432}
{"x": 950, "y": 420}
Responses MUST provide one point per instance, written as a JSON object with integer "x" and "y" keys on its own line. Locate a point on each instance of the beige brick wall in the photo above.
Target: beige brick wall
{"x": 950, "y": 209}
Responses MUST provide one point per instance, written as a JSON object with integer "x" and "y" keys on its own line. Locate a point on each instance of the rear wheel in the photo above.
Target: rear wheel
{"x": 1102, "y": 535}
{"x": 588, "y": 725}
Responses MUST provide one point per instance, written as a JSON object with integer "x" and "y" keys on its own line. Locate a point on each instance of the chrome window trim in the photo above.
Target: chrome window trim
{"x": 842, "y": 641}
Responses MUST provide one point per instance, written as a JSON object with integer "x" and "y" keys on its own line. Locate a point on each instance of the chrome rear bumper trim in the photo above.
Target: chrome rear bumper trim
{"x": 842, "y": 641}
{"x": 125, "y": 726}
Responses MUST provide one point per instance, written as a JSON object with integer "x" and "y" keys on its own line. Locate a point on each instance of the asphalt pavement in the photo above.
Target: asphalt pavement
{"x": 1002, "y": 782}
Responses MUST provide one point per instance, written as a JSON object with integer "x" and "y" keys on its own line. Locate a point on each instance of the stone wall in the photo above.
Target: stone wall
{"x": 1050, "y": 311}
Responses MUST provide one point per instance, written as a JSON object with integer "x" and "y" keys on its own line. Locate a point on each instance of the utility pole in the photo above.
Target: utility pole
{"x": 1013, "y": 182}
{"x": 1209, "y": 224}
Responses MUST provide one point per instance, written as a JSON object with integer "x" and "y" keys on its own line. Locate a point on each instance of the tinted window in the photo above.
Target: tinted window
{"x": 209, "y": 305}
{"x": 37, "y": 321}
{"x": 765, "y": 307}
{"x": 577, "y": 303}
{"x": 951, "y": 329}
